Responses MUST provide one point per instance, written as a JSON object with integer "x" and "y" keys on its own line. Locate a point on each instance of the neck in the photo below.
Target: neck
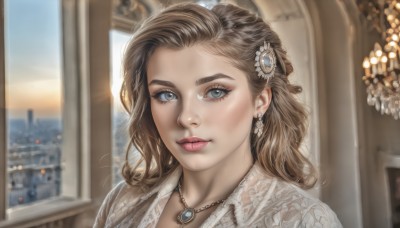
{"x": 216, "y": 183}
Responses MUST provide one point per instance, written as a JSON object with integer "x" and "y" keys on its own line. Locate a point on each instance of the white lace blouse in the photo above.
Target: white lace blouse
{"x": 259, "y": 201}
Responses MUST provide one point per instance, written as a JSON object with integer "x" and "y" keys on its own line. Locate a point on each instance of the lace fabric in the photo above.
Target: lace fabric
{"x": 259, "y": 201}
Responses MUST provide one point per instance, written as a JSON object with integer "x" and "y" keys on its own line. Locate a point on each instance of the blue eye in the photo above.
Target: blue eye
{"x": 166, "y": 96}
{"x": 216, "y": 93}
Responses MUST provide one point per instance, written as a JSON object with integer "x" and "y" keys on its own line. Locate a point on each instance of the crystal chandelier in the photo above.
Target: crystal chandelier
{"x": 381, "y": 67}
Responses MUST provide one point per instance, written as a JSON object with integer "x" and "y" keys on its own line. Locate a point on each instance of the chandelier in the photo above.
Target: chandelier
{"x": 381, "y": 67}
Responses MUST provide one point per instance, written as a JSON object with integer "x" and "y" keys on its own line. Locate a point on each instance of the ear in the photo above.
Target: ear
{"x": 262, "y": 101}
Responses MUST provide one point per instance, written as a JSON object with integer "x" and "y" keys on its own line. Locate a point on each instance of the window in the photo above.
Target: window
{"x": 33, "y": 97}
{"x": 83, "y": 111}
{"x": 120, "y": 138}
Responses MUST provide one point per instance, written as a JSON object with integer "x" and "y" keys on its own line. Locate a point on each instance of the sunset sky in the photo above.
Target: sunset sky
{"x": 33, "y": 57}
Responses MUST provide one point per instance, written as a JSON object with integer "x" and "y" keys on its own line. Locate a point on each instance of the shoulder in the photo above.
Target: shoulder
{"x": 320, "y": 215}
{"x": 292, "y": 206}
{"x": 117, "y": 192}
{"x": 265, "y": 201}
{"x": 124, "y": 201}
{"x": 121, "y": 191}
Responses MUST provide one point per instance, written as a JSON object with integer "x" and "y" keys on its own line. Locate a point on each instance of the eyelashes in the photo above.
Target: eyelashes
{"x": 164, "y": 96}
{"x": 216, "y": 93}
{"x": 212, "y": 93}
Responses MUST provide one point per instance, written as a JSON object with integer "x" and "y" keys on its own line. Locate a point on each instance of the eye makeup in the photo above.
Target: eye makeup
{"x": 215, "y": 92}
{"x": 164, "y": 96}
{"x": 212, "y": 93}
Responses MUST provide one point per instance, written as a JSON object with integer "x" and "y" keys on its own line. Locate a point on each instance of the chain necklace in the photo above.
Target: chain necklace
{"x": 187, "y": 214}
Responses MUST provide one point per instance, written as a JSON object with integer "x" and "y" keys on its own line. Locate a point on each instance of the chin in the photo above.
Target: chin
{"x": 203, "y": 164}
{"x": 195, "y": 165}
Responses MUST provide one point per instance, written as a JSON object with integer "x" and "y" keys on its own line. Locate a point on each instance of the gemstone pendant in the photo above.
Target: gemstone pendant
{"x": 186, "y": 216}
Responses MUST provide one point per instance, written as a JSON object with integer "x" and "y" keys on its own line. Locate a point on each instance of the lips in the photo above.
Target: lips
{"x": 193, "y": 144}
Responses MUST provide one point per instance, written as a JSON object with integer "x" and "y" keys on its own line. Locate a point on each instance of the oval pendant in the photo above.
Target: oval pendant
{"x": 186, "y": 216}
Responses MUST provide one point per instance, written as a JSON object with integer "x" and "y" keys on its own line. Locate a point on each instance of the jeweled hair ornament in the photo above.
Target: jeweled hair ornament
{"x": 265, "y": 61}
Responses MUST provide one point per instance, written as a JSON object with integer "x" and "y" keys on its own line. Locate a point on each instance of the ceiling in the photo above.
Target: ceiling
{"x": 129, "y": 12}
{"x": 273, "y": 10}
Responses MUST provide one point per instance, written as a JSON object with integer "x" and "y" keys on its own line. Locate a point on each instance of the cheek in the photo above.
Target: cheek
{"x": 234, "y": 113}
{"x": 163, "y": 116}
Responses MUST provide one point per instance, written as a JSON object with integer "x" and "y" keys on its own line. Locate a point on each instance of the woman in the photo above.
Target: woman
{"x": 217, "y": 125}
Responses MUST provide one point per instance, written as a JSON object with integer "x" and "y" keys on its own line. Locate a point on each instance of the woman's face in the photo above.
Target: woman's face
{"x": 202, "y": 107}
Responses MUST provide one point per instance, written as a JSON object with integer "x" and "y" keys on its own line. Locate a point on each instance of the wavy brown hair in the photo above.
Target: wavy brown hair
{"x": 237, "y": 34}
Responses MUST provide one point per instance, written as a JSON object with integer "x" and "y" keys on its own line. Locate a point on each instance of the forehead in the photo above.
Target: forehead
{"x": 194, "y": 61}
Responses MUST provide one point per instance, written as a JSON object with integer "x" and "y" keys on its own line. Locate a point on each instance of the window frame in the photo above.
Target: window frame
{"x": 3, "y": 130}
{"x": 86, "y": 118}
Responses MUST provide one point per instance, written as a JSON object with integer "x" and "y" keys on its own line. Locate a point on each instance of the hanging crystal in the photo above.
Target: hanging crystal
{"x": 382, "y": 65}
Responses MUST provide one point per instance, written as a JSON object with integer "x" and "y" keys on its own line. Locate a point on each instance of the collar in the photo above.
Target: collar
{"x": 166, "y": 186}
{"x": 127, "y": 197}
{"x": 246, "y": 193}
{"x": 246, "y": 198}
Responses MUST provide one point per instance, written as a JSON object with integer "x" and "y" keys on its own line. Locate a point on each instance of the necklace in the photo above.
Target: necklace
{"x": 187, "y": 214}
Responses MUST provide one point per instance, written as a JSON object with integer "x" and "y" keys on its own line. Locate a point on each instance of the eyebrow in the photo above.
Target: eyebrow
{"x": 212, "y": 78}
{"x": 198, "y": 82}
{"x": 162, "y": 82}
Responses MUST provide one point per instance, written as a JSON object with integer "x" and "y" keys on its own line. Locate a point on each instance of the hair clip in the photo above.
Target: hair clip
{"x": 265, "y": 61}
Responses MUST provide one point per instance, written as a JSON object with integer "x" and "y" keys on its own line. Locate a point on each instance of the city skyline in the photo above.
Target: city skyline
{"x": 34, "y": 159}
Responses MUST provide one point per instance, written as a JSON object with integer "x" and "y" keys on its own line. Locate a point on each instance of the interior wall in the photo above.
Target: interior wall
{"x": 96, "y": 106}
{"x": 335, "y": 39}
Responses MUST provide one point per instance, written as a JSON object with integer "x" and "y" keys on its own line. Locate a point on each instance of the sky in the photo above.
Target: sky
{"x": 33, "y": 57}
{"x": 33, "y": 50}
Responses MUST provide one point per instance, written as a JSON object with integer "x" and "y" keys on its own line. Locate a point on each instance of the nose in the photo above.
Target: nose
{"x": 189, "y": 116}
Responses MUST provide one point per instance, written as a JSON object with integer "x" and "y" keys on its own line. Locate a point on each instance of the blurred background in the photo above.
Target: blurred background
{"x": 63, "y": 131}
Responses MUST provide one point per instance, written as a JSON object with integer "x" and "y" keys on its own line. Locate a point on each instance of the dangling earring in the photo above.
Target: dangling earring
{"x": 259, "y": 126}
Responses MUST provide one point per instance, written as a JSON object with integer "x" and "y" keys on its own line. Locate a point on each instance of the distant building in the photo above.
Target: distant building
{"x": 34, "y": 173}
{"x": 30, "y": 119}
{"x": 34, "y": 160}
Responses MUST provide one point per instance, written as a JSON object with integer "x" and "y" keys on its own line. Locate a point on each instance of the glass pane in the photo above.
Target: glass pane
{"x": 120, "y": 136}
{"x": 33, "y": 98}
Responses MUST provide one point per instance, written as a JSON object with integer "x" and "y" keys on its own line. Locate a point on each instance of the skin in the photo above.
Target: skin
{"x": 196, "y": 93}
